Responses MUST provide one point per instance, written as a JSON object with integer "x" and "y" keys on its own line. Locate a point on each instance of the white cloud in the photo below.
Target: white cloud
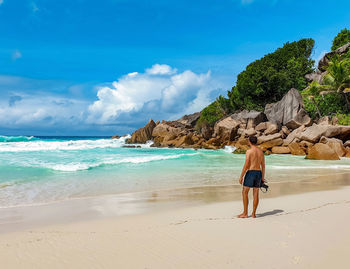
{"x": 160, "y": 91}
{"x": 1, "y": 2}
{"x": 161, "y": 69}
{"x": 23, "y": 110}
{"x": 16, "y": 54}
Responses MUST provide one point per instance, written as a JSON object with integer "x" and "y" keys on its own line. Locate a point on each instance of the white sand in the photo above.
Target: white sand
{"x": 310, "y": 230}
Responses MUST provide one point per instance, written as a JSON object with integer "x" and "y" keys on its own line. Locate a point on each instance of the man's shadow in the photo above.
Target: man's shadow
{"x": 269, "y": 213}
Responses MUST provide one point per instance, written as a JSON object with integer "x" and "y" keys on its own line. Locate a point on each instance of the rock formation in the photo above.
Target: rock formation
{"x": 144, "y": 134}
{"x": 289, "y": 111}
{"x": 323, "y": 63}
{"x": 322, "y": 152}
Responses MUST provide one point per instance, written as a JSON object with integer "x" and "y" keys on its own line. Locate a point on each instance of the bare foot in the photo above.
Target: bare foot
{"x": 253, "y": 216}
{"x": 242, "y": 216}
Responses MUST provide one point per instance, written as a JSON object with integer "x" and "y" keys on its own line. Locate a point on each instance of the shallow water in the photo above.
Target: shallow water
{"x": 36, "y": 170}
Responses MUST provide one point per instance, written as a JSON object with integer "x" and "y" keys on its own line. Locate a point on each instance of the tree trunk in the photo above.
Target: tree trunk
{"x": 318, "y": 110}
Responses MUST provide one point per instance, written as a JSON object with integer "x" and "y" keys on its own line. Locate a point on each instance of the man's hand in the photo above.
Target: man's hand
{"x": 263, "y": 180}
{"x": 241, "y": 180}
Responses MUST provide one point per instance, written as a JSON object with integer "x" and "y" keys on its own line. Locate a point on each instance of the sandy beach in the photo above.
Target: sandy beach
{"x": 305, "y": 230}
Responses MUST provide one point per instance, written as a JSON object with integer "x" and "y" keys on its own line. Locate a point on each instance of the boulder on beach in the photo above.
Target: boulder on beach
{"x": 265, "y": 138}
{"x": 226, "y": 128}
{"x": 144, "y": 134}
{"x": 335, "y": 144}
{"x": 322, "y": 151}
{"x": 289, "y": 111}
{"x": 270, "y": 144}
{"x": 296, "y": 149}
{"x": 315, "y": 132}
{"x": 280, "y": 150}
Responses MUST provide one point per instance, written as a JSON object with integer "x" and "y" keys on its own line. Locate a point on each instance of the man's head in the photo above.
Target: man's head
{"x": 253, "y": 140}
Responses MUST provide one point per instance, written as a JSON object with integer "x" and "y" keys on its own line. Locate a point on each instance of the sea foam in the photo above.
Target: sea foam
{"x": 33, "y": 144}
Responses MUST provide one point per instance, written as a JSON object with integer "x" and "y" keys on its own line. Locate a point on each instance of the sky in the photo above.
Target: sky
{"x": 88, "y": 67}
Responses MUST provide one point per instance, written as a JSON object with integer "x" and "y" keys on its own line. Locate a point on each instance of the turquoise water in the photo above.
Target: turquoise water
{"x": 45, "y": 169}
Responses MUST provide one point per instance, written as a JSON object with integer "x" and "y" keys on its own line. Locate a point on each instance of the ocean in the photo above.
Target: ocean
{"x": 39, "y": 170}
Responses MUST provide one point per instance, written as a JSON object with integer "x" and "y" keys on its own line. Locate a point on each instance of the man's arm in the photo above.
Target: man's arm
{"x": 263, "y": 168}
{"x": 245, "y": 167}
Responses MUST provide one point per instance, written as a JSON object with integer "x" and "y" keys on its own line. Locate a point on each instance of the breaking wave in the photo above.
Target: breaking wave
{"x": 25, "y": 144}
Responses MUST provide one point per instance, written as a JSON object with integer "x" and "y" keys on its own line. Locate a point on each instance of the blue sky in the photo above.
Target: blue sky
{"x": 104, "y": 67}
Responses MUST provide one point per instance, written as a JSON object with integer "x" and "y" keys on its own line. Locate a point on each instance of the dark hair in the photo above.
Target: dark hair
{"x": 253, "y": 139}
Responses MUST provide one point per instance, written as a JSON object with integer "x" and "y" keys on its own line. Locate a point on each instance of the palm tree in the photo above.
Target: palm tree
{"x": 310, "y": 92}
{"x": 337, "y": 79}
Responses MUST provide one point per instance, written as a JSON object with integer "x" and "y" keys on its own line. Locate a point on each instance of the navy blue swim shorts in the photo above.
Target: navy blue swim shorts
{"x": 252, "y": 179}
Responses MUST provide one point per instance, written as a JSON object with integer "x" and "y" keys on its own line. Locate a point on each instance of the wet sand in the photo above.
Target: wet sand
{"x": 116, "y": 206}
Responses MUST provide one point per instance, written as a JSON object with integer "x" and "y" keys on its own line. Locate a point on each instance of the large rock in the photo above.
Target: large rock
{"x": 294, "y": 135}
{"x": 315, "y": 132}
{"x": 144, "y": 134}
{"x": 289, "y": 111}
{"x": 265, "y": 138}
{"x": 168, "y": 128}
{"x": 296, "y": 149}
{"x": 322, "y": 152}
{"x": 185, "y": 140}
{"x": 253, "y": 117}
{"x": 323, "y": 63}
{"x": 272, "y": 128}
{"x": 280, "y": 150}
{"x": 226, "y": 128}
{"x": 335, "y": 144}
{"x": 318, "y": 77}
{"x": 347, "y": 155}
{"x": 270, "y": 144}
{"x": 190, "y": 120}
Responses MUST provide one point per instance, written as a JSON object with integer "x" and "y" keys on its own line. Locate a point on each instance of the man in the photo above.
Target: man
{"x": 254, "y": 171}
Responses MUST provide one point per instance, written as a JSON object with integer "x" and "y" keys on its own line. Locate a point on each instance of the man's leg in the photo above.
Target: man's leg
{"x": 255, "y": 201}
{"x": 245, "y": 192}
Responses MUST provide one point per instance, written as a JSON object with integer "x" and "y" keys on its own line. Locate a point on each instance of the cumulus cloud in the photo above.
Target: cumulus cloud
{"x": 16, "y": 55}
{"x": 161, "y": 90}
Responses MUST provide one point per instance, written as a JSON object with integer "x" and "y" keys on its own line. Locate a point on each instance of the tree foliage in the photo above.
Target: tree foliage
{"x": 269, "y": 78}
{"x": 331, "y": 95}
{"x": 342, "y": 38}
{"x": 265, "y": 81}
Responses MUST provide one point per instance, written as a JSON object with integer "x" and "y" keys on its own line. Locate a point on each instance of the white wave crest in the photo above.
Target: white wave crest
{"x": 229, "y": 149}
{"x": 72, "y": 167}
{"x": 43, "y": 145}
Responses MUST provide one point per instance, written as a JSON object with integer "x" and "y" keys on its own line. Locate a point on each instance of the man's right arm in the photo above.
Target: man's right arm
{"x": 245, "y": 167}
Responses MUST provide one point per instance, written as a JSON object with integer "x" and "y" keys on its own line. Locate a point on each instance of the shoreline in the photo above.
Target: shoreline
{"x": 290, "y": 232}
{"x": 147, "y": 202}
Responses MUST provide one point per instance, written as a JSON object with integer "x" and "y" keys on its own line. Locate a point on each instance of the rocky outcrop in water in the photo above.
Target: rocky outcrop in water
{"x": 144, "y": 134}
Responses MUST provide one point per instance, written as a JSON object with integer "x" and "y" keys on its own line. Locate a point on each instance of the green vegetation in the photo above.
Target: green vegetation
{"x": 210, "y": 115}
{"x": 331, "y": 96}
{"x": 265, "y": 81}
{"x": 342, "y": 38}
{"x": 344, "y": 119}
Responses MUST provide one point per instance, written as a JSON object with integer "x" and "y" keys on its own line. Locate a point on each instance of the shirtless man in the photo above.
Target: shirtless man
{"x": 254, "y": 171}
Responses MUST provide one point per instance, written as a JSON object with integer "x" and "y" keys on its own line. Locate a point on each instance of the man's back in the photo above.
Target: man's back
{"x": 255, "y": 158}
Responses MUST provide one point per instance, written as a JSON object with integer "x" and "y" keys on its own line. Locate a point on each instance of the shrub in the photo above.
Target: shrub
{"x": 328, "y": 104}
{"x": 344, "y": 119}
